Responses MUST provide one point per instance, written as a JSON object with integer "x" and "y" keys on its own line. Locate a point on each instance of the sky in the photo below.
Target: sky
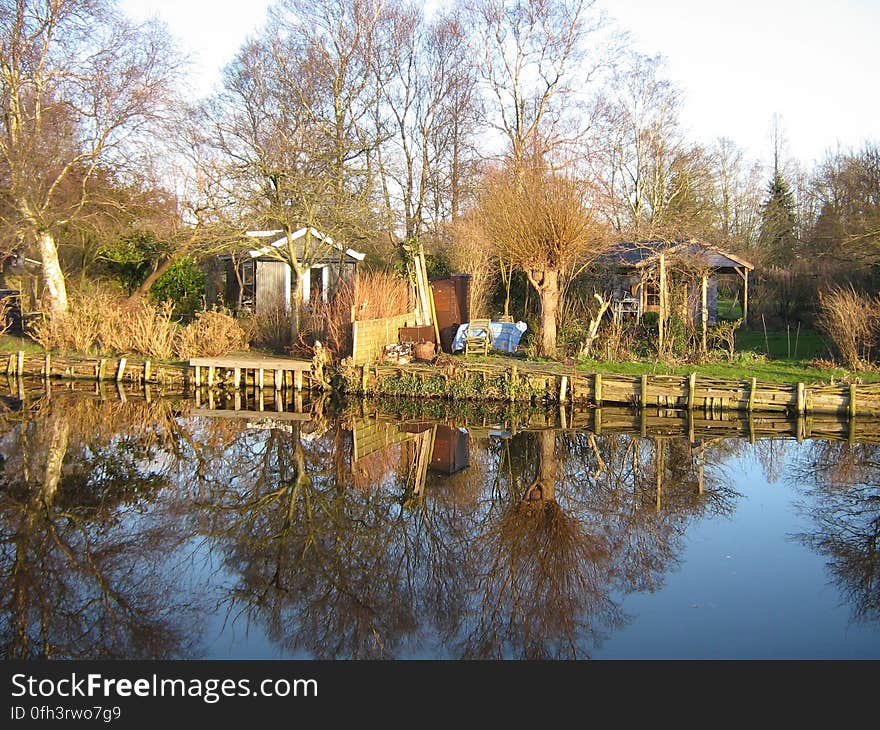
{"x": 815, "y": 64}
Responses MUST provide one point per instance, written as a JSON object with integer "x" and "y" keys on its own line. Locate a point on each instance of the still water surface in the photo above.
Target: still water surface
{"x": 159, "y": 529}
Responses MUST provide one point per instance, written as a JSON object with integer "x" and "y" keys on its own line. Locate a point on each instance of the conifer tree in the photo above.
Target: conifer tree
{"x": 778, "y": 236}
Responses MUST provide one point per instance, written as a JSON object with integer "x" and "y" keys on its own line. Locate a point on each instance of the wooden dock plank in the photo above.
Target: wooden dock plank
{"x": 252, "y": 363}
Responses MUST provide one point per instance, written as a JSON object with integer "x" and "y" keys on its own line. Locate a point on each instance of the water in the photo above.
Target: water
{"x": 170, "y": 529}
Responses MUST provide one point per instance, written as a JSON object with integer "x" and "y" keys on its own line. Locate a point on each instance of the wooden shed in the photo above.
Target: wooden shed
{"x": 260, "y": 278}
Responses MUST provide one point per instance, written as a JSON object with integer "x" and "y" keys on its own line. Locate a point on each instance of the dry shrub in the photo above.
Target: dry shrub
{"x": 142, "y": 328}
{"x": 271, "y": 327}
{"x": 5, "y": 314}
{"x": 368, "y": 295}
{"x": 80, "y": 329}
{"x": 212, "y": 333}
{"x": 470, "y": 253}
{"x": 378, "y": 294}
{"x": 852, "y": 321}
{"x": 723, "y": 337}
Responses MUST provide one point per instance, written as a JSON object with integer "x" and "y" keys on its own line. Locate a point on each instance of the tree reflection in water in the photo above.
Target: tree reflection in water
{"x": 528, "y": 552}
{"x": 525, "y": 553}
{"x": 84, "y": 531}
{"x": 842, "y": 481}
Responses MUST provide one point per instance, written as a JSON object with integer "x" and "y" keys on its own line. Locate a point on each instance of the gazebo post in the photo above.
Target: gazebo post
{"x": 661, "y": 320}
{"x": 704, "y": 310}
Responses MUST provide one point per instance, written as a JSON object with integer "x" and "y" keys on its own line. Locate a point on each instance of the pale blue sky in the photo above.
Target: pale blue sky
{"x": 816, "y": 64}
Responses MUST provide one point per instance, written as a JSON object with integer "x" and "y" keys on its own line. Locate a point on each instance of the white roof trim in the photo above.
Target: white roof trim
{"x": 256, "y": 253}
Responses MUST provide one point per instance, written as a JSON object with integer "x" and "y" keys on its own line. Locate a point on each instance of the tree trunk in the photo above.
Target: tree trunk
{"x": 295, "y": 305}
{"x": 147, "y": 283}
{"x": 53, "y": 277}
{"x": 549, "y": 293}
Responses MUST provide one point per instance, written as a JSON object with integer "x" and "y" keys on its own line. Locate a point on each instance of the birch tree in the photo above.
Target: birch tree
{"x": 81, "y": 87}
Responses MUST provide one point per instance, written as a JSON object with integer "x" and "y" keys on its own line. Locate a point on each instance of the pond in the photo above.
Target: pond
{"x": 139, "y": 526}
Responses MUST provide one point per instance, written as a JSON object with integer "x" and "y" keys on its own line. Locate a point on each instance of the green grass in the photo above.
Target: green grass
{"x": 729, "y": 309}
{"x": 14, "y": 343}
{"x": 752, "y": 361}
{"x": 792, "y": 345}
{"x": 779, "y": 371}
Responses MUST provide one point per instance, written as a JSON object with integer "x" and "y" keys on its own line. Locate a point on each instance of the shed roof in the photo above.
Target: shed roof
{"x": 640, "y": 254}
{"x": 278, "y": 239}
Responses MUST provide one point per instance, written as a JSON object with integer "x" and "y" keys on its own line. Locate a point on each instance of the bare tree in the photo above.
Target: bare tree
{"x": 81, "y": 87}
{"x": 737, "y": 200}
{"x": 294, "y": 125}
{"x": 430, "y": 98}
{"x": 649, "y": 173}
{"x": 540, "y": 221}
{"x": 533, "y": 57}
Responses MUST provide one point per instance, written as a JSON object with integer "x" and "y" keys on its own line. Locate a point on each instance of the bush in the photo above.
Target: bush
{"x": 271, "y": 327}
{"x": 723, "y": 337}
{"x": 852, "y": 321}
{"x": 79, "y": 329}
{"x": 141, "y": 327}
{"x": 182, "y": 285}
{"x": 212, "y": 333}
{"x": 100, "y": 323}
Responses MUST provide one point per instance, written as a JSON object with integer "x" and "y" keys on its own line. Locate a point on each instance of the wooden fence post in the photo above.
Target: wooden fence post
{"x": 120, "y": 371}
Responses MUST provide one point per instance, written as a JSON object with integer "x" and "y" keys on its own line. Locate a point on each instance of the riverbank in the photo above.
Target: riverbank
{"x": 515, "y": 380}
{"x": 496, "y": 378}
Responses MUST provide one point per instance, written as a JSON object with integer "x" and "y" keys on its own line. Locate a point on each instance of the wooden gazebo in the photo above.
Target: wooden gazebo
{"x": 643, "y": 271}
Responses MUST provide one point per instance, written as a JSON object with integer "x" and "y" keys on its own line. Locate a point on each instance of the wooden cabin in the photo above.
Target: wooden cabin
{"x": 259, "y": 279}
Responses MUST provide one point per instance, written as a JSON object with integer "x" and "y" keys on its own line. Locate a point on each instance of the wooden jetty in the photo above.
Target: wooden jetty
{"x": 280, "y": 373}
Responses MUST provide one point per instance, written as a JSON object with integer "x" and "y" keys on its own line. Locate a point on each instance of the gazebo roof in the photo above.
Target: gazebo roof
{"x": 643, "y": 254}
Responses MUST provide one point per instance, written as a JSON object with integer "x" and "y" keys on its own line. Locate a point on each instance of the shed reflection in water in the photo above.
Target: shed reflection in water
{"x": 126, "y": 524}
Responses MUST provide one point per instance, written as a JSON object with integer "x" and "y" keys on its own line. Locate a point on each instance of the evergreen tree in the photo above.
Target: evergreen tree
{"x": 778, "y": 236}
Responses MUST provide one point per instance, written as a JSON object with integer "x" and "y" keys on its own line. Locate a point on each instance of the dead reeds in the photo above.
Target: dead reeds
{"x": 852, "y": 322}
{"x": 368, "y": 295}
{"x": 101, "y": 323}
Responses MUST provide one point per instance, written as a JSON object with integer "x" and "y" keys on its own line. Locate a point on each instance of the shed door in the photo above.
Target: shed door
{"x": 273, "y": 288}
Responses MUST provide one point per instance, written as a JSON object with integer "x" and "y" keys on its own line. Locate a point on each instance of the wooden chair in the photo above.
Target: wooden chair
{"x": 478, "y": 337}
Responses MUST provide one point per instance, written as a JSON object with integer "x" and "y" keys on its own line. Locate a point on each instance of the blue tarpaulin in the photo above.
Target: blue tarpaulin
{"x": 506, "y": 335}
